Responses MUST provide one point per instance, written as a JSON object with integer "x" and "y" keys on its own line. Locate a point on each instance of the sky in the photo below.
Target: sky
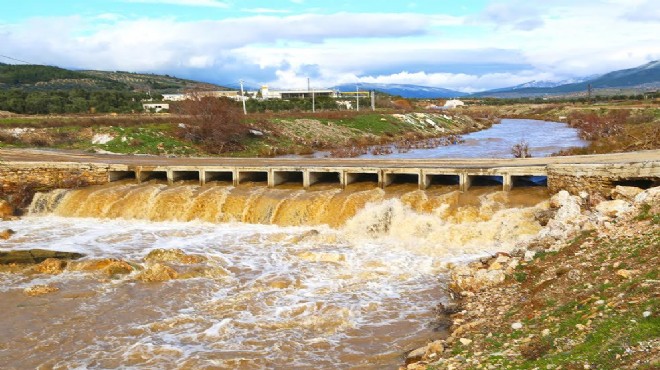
{"x": 467, "y": 45}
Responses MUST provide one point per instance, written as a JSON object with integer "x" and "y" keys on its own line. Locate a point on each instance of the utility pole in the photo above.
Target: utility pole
{"x": 308, "y": 84}
{"x": 313, "y": 102}
{"x": 589, "y": 93}
{"x": 373, "y": 99}
{"x": 243, "y": 98}
{"x": 357, "y": 96}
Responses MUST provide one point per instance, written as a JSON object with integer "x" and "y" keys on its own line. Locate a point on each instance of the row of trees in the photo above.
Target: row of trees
{"x": 71, "y": 101}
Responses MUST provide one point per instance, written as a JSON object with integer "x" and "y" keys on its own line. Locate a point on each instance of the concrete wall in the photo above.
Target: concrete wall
{"x": 14, "y": 177}
{"x": 601, "y": 178}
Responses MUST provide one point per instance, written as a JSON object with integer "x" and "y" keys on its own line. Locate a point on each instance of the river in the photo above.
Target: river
{"x": 287, "y": 278}
{"x": 543, "y": 137}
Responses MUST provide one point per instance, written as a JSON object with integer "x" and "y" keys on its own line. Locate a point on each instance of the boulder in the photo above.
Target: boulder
{"x": 36, "y": 290}
{"x": 649, "y": 196}
{"x": 568, "y": 207}
{"x": 52, "y": 266}
{"x": 416, "y": 355}
{"x": 434, "y": 349}
{"x": 34, "y": 256}
{"x": 6, "y": 209}
{"x": 613, "y": 208}
{"x": 118, "y": 268}
{"x": 464, "y": 278}
{"x": 174, "y": 256}
{"x": 6, "y": 234}
{"x": 157, "y": 272}
{"x": 627, "y": 193}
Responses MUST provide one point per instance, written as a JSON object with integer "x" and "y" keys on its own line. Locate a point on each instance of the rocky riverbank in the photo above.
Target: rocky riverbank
{"x": 582, "y": 295}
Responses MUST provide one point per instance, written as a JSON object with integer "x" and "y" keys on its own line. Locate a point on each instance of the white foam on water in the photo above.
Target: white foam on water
{"x": 294, "y": 295}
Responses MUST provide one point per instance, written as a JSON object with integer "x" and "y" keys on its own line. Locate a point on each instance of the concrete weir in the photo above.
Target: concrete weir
{"x": 463, "y": 178}
{"x": 591, "y": 173}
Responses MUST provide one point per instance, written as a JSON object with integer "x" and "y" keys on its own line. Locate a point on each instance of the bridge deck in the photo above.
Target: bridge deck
{"x": 308, "y": 171}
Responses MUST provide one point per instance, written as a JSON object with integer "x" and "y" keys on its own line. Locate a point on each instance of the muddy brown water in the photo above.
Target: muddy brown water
{"x": 310, "y": 279}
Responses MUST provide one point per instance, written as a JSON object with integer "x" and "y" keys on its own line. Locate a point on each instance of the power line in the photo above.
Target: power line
{"x": 18, "y": 60}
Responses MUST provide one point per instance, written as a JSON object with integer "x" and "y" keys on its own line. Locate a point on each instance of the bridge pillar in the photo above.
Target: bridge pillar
{"x": 170, "y": 177}
{"x": 464, "y": 181}
{"x": 507, "y": 182}
{"x": 424, "y": 180}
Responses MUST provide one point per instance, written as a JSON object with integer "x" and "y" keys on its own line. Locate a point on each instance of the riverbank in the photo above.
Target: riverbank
{"x": 267, "y": 135}
{"x": 582, "y": 295}
{"x": 609, "y": 128}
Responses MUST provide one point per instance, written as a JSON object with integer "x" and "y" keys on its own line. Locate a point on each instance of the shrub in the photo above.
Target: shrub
{"x": 521, "y": 150}
{"x": 213, "y": 123}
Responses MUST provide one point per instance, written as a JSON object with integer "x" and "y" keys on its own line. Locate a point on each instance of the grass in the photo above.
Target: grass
{"x": 376, "y": 124}
{"x": 151, "y": 139}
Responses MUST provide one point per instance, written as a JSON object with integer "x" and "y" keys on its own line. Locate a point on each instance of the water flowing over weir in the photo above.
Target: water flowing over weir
{"x": 326, "y": 278}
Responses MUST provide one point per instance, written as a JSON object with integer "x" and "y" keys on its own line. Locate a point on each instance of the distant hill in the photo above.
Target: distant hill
{"x": 404, "y": 90}
{"x": 40, "y": 78}
{"x": 644, "y": 77}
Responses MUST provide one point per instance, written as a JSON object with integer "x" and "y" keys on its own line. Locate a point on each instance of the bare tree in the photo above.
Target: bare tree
{"x": 521, "y": 149}
{"x": 214, "y": 123}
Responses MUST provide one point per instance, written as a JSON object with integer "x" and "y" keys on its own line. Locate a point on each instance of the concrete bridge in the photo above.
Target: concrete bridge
{"x": 575, "y": 172}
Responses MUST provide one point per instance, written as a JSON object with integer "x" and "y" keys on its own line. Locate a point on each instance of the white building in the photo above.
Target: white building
{"x": 216, "y": 94}
{"x": 266, "y": 93}
{"x": 155, "y": 107}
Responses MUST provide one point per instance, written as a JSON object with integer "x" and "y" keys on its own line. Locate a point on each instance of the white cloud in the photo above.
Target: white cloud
{"x": 265, "y": 11}
{"x": 203, "y": 3}
{"x": 553, "y": 41}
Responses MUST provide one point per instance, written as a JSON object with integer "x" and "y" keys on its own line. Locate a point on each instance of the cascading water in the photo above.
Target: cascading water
{"x": 327, "y": 278}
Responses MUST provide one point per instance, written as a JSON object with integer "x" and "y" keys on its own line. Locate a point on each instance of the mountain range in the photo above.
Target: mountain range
{"x": 35, "y": 77}
{"x": 404, "y": 90}
{"x": 644, "y": 77}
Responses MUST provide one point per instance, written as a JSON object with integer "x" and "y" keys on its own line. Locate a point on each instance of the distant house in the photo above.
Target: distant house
{"x": 155, "y": 107}
{"x": 453, "y": 103}
{"x": 215, "y": 94}
{"x": 266, "y": 93}
{"x": 174, "y": 97}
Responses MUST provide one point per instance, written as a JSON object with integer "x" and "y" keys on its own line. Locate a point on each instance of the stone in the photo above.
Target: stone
{"x": 34, "y": 256}
{"x": 6, "y": 234}
{"x": 545, "y": 332}
{"x": 157, "y": 273}
{"x": 627, "y": 193}
{"x": 646, "y": 314}
{"x": 464, "y": 278}
{"x": 613, "y": 208}
{"x": 434, "y": 348}
{"x": 118, "y": 268}
{"x": 6, "y": 209}
{"x": 52, "y": 266}
{"x": 36, "y": 290}
{"x": 626, "y": 273}
{"x": 174, "y": 256}
{"x": 529, "y": 255}
{"x": 580, "y": 327}
{"x": 416, "y": 355}
{"x": 465, "y": 341}
{"x": 543, "y": 216}
{"x": 648, "y": 196}
{"x": 516, "y": 326}
{"x": 599, "y": 302}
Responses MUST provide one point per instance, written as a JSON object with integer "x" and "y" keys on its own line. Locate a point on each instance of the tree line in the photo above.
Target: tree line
{"x": 71, "y": 101}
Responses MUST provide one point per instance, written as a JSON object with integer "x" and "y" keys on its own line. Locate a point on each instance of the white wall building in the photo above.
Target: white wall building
{"x": 155, "y": 107}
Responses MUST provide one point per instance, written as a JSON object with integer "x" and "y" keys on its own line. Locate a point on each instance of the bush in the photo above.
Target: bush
{"x": 521, "y": 150}
{"x": 213, "y": 123}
